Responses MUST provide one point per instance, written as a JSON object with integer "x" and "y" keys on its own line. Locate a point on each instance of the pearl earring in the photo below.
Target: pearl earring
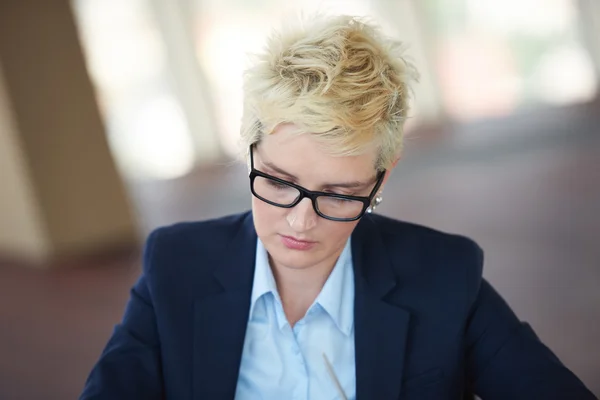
{"x": 376, "y": 201}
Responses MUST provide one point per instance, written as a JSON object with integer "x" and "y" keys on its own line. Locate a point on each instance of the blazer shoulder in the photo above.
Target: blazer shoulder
{"x": 218, "y": 230}
{"x": 187, "y": 247}
{"x": 449, "y": 257}
{"x": 426, "y": 238}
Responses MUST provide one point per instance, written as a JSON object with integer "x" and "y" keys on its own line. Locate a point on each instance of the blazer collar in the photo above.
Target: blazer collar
{"x": 381, "y": 329}
{"x": 221, "y": 318}
{"x": 236, "y": 270}
{"x": 373, "y": 268}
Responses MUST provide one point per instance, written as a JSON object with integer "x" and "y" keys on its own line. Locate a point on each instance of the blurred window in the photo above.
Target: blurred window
{"x": 494, "y": 57}
{"x": 147, "y": 128}
{"x": 477, "y": 58}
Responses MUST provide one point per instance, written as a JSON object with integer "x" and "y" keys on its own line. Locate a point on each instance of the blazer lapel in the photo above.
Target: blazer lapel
{"x": 221, "y": 319}
{"x": 380, "y": 328}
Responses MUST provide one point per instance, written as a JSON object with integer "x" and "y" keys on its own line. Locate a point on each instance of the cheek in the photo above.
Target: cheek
{"x": 266, "y": 216}
{"x": 337, "y": 232}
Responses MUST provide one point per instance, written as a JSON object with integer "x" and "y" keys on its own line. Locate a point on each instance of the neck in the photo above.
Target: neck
{"x": 298, "y": 288}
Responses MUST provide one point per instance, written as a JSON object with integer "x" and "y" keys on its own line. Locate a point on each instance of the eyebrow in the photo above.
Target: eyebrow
{"x": 345, "y": 185}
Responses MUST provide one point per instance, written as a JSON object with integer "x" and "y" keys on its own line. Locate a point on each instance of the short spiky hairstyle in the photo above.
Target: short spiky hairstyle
{"x": 335, "y": 77}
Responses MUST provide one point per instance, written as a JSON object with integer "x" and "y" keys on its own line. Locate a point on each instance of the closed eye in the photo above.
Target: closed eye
{"x": 340, "y": 194}
{"x": 341, "y": 200}
{"x": 277, "y": 185}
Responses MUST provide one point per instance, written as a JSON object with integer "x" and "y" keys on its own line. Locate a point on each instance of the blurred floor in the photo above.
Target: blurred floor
{"x": 526, "y": 188}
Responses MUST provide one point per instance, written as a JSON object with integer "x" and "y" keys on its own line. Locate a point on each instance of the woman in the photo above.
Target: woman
{"x": 310, "y": 296}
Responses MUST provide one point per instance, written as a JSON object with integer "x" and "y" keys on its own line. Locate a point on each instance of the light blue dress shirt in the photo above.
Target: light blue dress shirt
{"x": 280, "y": 362}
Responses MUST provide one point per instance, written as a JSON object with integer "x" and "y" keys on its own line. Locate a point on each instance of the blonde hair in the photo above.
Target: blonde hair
{"x": 337, "y": 78}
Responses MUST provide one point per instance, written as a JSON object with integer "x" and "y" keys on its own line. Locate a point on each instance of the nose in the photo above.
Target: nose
{"x": 302, "y": 216}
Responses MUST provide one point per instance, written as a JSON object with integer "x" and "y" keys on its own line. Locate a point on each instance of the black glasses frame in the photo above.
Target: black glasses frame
{"x": 313, "y": 195}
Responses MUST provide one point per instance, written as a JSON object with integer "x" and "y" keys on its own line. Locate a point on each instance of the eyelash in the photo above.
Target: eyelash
{"x": 342, "y": 194}
{"x": 278, "y": 185}
{"x": 338, "y": 200}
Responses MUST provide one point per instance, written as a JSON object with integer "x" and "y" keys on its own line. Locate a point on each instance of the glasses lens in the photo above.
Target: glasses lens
{"x": 336, "y": 207}
{"x": 274, "y": 191}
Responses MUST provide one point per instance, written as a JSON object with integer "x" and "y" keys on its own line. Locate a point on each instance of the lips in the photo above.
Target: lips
{"x": 296, "y": 244}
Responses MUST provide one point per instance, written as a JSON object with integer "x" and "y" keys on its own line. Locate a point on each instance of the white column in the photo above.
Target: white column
{"x": 61, "y": 192}
{"x": 21, "y": 229}
{"x": 175, "y": 19}
{"x": 405, "y": 19}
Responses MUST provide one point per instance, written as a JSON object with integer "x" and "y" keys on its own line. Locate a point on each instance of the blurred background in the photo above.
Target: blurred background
{"x": 120, "y": 116}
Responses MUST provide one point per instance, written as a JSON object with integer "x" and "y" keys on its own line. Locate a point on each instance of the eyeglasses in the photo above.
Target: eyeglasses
{"x": 331, "y": 206}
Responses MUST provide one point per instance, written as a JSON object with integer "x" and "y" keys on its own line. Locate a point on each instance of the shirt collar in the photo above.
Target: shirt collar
{"x": 264, "y": 281}
{"x": 336, "y": 297}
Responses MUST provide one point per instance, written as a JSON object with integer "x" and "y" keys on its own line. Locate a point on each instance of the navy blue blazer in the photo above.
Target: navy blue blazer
{"x": 427, "y": 326}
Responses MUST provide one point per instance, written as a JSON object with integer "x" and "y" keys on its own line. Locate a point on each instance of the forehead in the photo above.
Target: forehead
{"x": 306, "y": 157}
